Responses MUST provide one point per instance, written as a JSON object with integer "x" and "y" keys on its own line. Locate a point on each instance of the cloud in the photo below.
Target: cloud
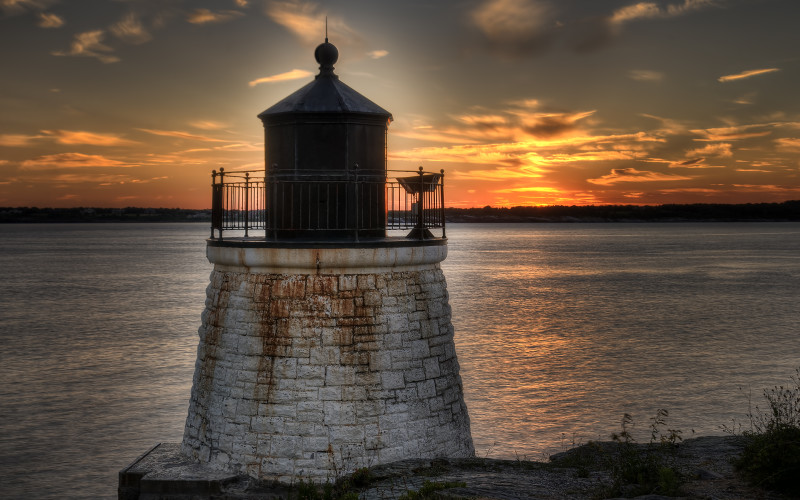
{"x": 89, "y": 138}
{"x": 729, "y": 133}
{"x": 597, "y": 32}
{"x": 89, "y": 44}
{"x": 515, "y": 27}
{"x": 18, "y": 140}
{"x": 306, "y": 21}
{"x": 13, "y": 7}
{"x": 632, "y": 175}
{"x": 377, "y": 54}
{"x": 788, "y": 144}
{"x": 695, "y": 163}
{"x": 208, "y": 125}
{"x": 722, "y": 150}
{"x": 547, "y": 125}
{"x": 241, "y": 3}
{"x": 130, "y": 30}
{"x": 181, "y": 135}
{"x": 205, "y": 16}
{"x": 746, "y": 98}
{"x": 528, "y": 189}
{"x": 651, "y": 10}
{"x": 294, "y": 74}
{"x": 70, "y": 160}
{"x": 645, "y": 75}
{"x": 747, "y": 74}
{"x": 66, "y": 137}
{"x": 49, "y": 20}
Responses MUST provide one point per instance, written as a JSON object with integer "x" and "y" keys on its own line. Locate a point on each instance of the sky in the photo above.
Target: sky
{"x": 115, "y": 103}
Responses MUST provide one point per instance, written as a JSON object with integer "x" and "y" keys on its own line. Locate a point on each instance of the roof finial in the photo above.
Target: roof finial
{"x": 326, "y": 55}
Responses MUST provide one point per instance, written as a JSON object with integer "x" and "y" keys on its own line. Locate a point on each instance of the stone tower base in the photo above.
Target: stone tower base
{"x": 313, "y": 363}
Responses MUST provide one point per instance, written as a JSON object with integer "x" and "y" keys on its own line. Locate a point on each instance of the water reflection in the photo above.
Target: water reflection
{"x": 560, "y": 329}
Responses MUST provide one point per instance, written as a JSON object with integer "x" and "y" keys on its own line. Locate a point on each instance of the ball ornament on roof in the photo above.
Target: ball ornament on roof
{"x": 326, "y": 55}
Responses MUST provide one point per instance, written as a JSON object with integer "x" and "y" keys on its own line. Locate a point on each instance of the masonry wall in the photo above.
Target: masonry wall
{"x": 314, "y": 375}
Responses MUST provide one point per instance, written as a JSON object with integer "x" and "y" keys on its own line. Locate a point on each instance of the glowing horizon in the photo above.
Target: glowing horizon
{"x": 521, "y": 102}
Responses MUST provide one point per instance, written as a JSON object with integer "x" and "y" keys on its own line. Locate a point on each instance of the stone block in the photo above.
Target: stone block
{"x": 340, "y": 375}
{"x": 337, "y": 336}
{"x": 366, "y": 281}
{"x": 330, "y": 393}
{"x": 291, "y": 286}
{"x": 342, "y": 308}
{"x": 339, "y": 413}
{"x": 353, "y": 392}
{"x": 372, "y": 298}
{"x": 392, "y": 379}
{"x": 348, "y": 282}
{"x": 322, "y": 284}
{"x": 325, "y": 356}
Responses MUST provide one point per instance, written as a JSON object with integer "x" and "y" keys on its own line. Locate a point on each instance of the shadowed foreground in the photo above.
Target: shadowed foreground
{"x": 704, "y": 465}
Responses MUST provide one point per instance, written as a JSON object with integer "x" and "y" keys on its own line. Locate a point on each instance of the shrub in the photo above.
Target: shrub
{"x": 642, "y": 470}
{"x": 771, "y": 457}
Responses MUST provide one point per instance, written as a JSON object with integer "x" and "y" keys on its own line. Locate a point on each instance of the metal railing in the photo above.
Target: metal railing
{"x": 350, "y": 205}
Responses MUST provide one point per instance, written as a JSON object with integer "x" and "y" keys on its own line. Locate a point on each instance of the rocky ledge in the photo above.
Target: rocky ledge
{"x": 704, "y": 465}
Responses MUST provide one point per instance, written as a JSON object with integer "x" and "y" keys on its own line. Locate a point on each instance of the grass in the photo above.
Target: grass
{"x": 643, "y": 470}
{"x": 771, "y": 458}
{"x": 429, "y": 488}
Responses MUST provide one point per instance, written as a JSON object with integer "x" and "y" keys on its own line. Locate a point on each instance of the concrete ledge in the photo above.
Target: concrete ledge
{"x": 164, "y": 473}
{"x": 362, "y": 259}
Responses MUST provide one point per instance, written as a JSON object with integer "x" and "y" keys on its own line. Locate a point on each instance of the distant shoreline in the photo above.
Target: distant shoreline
{"x": 788, "y": 211}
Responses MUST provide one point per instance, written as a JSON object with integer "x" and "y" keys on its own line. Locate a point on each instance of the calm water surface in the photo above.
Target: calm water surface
{"x": 560, "y": 330}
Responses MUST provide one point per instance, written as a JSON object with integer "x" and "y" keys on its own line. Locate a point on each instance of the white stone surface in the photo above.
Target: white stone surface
{"x": 313, "y": 374}
{"x": 360, "y": 260}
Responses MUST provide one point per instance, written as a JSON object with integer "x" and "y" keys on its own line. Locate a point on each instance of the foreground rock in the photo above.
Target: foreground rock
{"x": 581, "y": 473}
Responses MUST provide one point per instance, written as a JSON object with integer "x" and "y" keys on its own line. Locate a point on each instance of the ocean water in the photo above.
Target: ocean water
{"x": 560, "y": 330}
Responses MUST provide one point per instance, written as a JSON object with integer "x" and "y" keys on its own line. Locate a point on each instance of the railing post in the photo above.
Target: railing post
{"x": 246, "y": 203}
{"x": 272, "y": 204}
{"x": 222, "y": 197}
{"x": 357, "y": 207}
{"x": 421, "y": 205}
{"x": 441, "y": 190}
{"x": 215, "y": 209}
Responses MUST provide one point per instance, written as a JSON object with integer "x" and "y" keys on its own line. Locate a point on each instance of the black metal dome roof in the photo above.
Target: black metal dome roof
{"x": 326, "y": 94}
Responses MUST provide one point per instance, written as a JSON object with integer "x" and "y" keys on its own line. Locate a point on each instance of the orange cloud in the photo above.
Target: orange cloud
{"x": 130, "y": 30}
{"x": 514, "y": 26}
{"x": 651, "y": 10}
{"x": 377, "y": 54}
{"x": 720, "y": 149}
{"x": 71, "y": 160}
{"x": 788, "y": 144}
{"x": 294, "y": 74}
{"x": 18, "y": 140}
{"x": 729, "y": 133}
{"x": 49, "y": 20}
{"x": 645, "y": 75}
{"x": 306, "y": 21}
{"x": 746, "y": 74}
{"x": 181, "y": 135}
{"x": 205, "y": 16}
{"x": 89, "y": 138}
{"x": 90, "y": 44}
{"x": 497, "y": 174}
{"x": 618, "y": 175}
{"x": 208, "y": 125}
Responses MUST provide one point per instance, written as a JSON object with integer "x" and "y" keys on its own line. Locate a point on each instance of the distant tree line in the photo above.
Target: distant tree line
{"x": 786, "y": 211}
{"x": 90, "y": 214}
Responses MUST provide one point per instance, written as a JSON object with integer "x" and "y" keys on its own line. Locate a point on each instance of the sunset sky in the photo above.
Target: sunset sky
{"x": 113, "y": 103}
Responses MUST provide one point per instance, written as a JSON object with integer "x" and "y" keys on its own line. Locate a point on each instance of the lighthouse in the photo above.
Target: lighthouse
{"x": 326, "y": 343}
